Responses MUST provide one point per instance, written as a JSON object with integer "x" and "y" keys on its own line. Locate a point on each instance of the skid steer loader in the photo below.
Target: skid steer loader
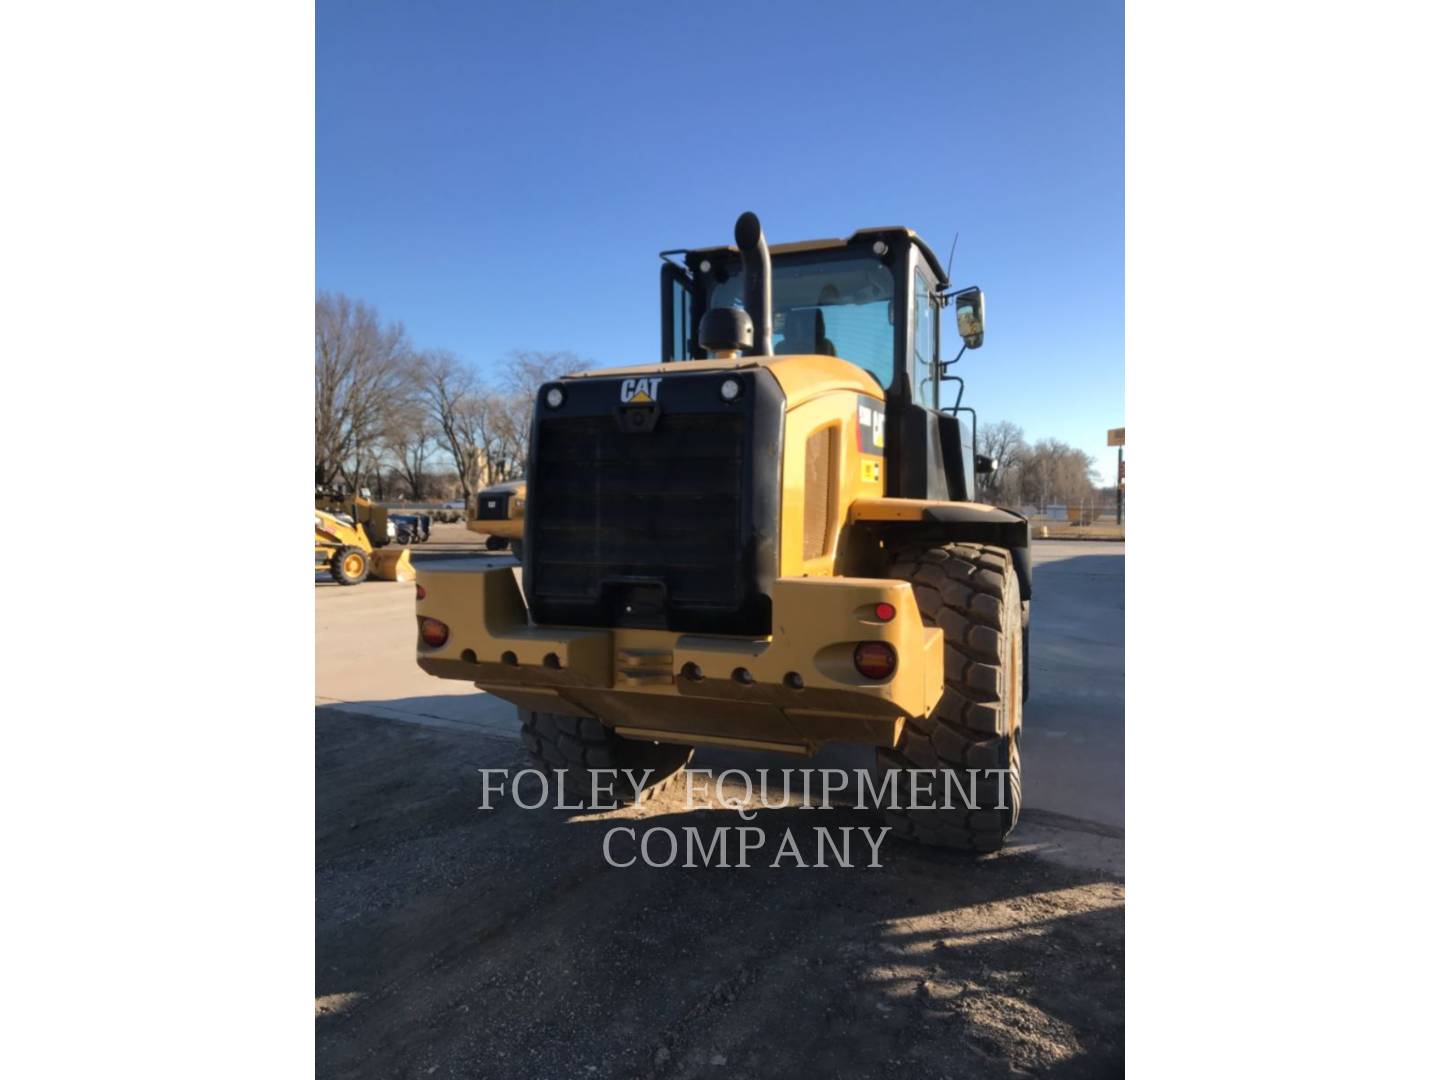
{"x": 769, "y": 539}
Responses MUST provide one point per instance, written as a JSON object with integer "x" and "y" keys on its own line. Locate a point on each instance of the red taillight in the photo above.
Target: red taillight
{"x": 434, "y": 632}
{"x": 884, "y": 612}
{"x": 419, "y": 591}
{"x": 875, "y": 659}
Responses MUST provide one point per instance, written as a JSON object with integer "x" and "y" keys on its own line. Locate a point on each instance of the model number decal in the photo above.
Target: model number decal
{"x": 871, "y": 427}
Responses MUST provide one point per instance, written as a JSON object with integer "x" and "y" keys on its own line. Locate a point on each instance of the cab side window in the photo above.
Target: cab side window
{"x": 679, "y": 320}
{"x": 923, "y": 321}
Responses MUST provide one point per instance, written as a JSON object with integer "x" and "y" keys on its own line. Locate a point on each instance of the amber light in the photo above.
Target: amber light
{"x": 875, "y": 659}
{"x": 884, "y": 612}
{"x": 419, "y": 591}
{"x": 434, "y": 632}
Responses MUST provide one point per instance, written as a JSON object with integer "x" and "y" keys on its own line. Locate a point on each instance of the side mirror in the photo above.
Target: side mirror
{"x": 984, "y": 465}
{"x": 970, "y": 316}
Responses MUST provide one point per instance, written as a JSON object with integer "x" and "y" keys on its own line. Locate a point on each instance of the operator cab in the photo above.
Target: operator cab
{"x": 841, "y": 298}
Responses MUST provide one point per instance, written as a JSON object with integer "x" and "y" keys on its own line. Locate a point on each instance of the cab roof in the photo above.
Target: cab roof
{"x": 835, "y": 242}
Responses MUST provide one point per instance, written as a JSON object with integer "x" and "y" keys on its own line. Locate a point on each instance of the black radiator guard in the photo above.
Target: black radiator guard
{"x": 660, "y": 513}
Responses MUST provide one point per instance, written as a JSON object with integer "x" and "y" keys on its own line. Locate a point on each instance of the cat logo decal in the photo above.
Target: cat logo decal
{"x": 639, "y": 391}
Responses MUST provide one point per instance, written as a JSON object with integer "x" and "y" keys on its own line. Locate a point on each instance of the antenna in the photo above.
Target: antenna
{"x": 950, "y": 261}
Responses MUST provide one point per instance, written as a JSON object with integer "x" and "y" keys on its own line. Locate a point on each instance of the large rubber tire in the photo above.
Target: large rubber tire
{"x": 350, "y": 565}
{"x": 580, "y": 744}
{"x": 972, "y": 593}
{"x": 496, "y": 543}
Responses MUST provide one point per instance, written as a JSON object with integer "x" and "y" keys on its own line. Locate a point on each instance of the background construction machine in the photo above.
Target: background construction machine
{"x": 351, "y": 538}
{"x": 766, "y": 540}
{"x": 499, "y": 513}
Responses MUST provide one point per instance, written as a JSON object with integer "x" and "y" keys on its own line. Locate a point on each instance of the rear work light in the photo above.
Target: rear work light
{"x": 875, "y": 659}
{"x": 435, "y": 633}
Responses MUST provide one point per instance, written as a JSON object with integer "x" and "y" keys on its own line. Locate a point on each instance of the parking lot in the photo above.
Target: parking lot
{"x": 458, "y": 942}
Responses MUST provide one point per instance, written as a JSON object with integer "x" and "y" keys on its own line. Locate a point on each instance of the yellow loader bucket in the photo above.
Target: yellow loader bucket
{"x": 391, "y": 564}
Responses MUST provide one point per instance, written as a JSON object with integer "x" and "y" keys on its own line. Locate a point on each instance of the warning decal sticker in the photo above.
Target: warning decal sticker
{"x": 872, "y": 426}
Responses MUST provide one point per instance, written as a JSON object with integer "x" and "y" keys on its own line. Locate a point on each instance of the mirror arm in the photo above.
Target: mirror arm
{"x": 955, "y": 408}
{"x": 946, "y": 365}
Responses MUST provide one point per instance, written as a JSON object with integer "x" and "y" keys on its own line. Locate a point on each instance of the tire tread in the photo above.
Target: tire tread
{"x": 972, "y": 593}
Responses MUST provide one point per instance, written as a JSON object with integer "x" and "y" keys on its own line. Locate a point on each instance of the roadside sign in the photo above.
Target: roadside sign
{"x": 1115, "y": 437}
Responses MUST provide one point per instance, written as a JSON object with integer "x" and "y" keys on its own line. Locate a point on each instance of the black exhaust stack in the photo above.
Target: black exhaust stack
{"x": 755, "y": 266}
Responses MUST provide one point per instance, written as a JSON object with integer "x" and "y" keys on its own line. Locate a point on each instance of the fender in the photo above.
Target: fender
{"x": 922, "y": 520}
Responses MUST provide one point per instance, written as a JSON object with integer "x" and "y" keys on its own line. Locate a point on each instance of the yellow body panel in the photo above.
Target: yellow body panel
{"x": 509, "y": 528}
{"x": 833, "y": 412}
{"x": 875, "y": 509}
{"x": 332, "y": 533}
{"x": 633, "y": 678}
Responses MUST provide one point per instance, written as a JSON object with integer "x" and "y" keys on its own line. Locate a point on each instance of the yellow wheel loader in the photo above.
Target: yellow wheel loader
{"x": 344, "y": 549}
{"x": 769, "y": 539}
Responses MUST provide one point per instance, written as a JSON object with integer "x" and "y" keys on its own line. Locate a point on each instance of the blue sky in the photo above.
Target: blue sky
{"x": 501, "y": 176}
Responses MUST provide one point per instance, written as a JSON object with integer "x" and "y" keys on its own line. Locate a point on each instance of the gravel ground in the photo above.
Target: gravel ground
{"x": 456, "y": 942}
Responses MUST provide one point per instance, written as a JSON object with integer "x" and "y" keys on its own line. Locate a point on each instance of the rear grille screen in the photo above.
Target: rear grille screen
{"x": 610, "y": 508}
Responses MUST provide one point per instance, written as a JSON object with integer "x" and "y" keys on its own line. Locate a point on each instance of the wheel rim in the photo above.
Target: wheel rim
{"x": 353, "y": 565}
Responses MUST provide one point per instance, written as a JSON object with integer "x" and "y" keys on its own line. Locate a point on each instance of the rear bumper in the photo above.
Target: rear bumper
{"x": 641, "y": 683}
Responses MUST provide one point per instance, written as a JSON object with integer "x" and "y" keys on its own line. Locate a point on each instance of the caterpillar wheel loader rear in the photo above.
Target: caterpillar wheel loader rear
{"x": 769, "y": 539}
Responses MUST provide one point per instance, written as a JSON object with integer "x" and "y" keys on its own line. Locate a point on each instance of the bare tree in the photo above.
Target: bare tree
{"x": 410, "y": 434}
{"x": 523, "y": 375}
{"x": 410, "y": 444}
{"x": 506, "y": 456}
{"x": 384, "y": 412}
{"x": 1054, "y": 471}
{"x": 1004, "y": 444}
{"x": 360, "y": 377}
{"x": 464, "y": 415}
